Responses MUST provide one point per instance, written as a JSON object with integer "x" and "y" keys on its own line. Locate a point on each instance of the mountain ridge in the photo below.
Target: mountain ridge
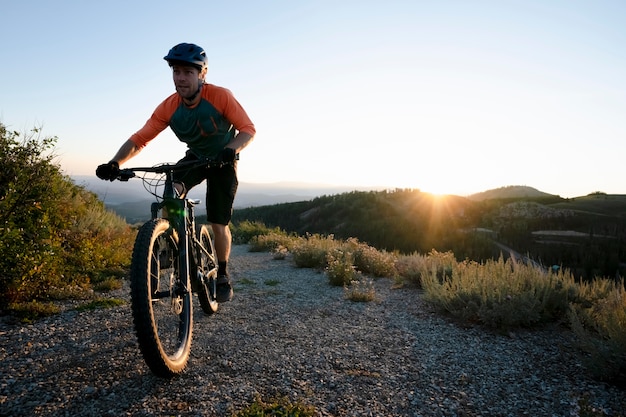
{"x": 132, "y": 200}
{"x": 509, "y": 191}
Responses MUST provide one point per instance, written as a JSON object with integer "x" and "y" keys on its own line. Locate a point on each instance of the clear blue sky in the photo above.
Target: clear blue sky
{"x": 450, "y": 96}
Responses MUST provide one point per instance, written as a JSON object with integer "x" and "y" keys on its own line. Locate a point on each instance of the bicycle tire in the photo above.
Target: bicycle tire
{"x": 207, "y": 271}
{"x": 161, "y": 304}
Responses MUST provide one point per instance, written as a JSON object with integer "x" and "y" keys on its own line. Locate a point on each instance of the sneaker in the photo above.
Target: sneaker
{"x": 224, "y": 289}
{"x": 196, "y": 282}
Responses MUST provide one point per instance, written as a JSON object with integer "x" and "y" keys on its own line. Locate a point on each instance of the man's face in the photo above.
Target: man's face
{"x": 186, "y": 80}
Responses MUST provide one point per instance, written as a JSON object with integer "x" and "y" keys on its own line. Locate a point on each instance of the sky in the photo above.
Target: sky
{"x": 447, "y": 96}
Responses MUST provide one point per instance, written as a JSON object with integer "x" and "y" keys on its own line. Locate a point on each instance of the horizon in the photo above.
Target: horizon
{"x": 291, "y": 187}
{"x": 447, "y": 97}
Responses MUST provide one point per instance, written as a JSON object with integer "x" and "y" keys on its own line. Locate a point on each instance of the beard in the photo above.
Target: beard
{"x": 188, "y": 92}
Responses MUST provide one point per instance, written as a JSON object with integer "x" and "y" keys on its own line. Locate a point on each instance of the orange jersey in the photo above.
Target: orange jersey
{"x": 205, "y": 128}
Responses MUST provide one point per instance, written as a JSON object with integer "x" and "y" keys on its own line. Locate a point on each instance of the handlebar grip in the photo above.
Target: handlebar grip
{"x": 125, "y": 175}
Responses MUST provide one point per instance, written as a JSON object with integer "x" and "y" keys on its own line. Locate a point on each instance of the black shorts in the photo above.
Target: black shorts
{"x": 222, "y": 186}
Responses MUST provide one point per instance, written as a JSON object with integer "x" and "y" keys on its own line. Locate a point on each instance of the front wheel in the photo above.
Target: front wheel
{"x": 207, "y": 272}
{"x": 160, "y": 300}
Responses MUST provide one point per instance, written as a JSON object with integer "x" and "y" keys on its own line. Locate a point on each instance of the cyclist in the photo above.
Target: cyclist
{"x": 214, "y": 125}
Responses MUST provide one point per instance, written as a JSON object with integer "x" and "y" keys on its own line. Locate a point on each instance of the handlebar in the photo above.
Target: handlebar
{"x": 128, "y": 173}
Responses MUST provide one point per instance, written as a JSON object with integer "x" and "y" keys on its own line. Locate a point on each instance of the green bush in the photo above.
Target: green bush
{"x": 53, "y": 234}
{"x": 246, "y": 231}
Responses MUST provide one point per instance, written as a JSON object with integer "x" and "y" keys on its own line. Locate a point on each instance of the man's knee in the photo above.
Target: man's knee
{"x": 220, "y": 229}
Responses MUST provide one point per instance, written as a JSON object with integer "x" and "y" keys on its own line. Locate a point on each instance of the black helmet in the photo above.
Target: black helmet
{"x": 187, "y": 53}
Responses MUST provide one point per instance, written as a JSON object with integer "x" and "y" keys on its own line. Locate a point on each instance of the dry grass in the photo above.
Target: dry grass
{"x": 500, "y": 294}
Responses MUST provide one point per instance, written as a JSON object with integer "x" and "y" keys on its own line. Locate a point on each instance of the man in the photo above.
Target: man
{"x": 214, "y": 125}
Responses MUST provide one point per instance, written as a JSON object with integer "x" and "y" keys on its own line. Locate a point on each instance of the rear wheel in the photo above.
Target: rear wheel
{"x": 207, "y": 272}
{"x": 160, "y": 300}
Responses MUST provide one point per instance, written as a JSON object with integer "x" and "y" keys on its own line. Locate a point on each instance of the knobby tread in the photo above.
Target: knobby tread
{"x": 149, "y": 344}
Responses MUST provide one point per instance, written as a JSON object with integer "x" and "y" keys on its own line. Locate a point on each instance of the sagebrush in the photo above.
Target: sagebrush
{"x": 53, "y": 234}
{"x": 500, "y": 293}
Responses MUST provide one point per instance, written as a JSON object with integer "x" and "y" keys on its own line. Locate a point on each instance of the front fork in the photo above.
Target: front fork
{"x": 175, "y": 211}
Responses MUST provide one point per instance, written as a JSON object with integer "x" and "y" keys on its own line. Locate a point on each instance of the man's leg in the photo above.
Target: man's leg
{"x": 222, "y": 186}
{"x": 223, "y": 241}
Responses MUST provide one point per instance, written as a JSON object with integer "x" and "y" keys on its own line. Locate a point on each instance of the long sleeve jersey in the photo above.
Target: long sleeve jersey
{"x": 206, "y": 128}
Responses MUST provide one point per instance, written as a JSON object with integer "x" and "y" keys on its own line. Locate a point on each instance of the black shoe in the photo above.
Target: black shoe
{"x": 196, "y": 282}
{"x": 224, "y": 289}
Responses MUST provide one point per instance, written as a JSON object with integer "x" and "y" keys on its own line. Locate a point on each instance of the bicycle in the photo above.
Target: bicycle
{"x": 171, "y": 259}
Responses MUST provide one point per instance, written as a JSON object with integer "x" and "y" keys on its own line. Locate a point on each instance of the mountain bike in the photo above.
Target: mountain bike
{"x": 172, "y": 258}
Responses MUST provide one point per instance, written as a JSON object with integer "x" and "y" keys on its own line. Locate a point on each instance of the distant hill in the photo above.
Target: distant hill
{"x": 585, "y": 234}
{"x": 131, "y": 199}
{"x": 598, "y": 203}
{"x": 510, "y": 192}
{"x": 582, "y": 234}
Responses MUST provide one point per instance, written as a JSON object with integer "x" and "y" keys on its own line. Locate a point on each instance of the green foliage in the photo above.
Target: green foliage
{"x": 53, "y": 234}
{"x": 387, "y": 219}
{"x": 263, "y": 239}
{"x": 101, "y": 303}
{"x": 244, "y": 231}
{"x": 29, "y": 311}
{"x": 107, "y": 284}
{"x": 277, "y": 408}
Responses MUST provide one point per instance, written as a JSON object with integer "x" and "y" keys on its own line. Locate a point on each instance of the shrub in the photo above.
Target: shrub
{"x": 499, "y": 294}
{"x": 245, "y": 231}
{"x": 361, "y": 290}
{"x": 340, "y": 267}
{"x": 281, "y": 407}
{"x": 101, "y": 303}
{"x": 410, "y": 267}
{"x": 271, "y": 242}
{"x": 599, "y": 321}
{"x": 370, "y": 260}
{"x": 311, "y": 251}
{"x": 280, "y": 253}
{"x": 29, "y": 311}
{"x": 413, "y": 267}
{"x": 53, "y": 234}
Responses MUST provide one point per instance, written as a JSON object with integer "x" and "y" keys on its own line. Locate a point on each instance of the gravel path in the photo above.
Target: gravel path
{"x": 287, "y": 333}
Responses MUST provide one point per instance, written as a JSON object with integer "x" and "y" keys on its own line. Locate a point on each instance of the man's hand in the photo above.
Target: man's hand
{"x": 108, "y": 171}
{"x": 226, "y": 156}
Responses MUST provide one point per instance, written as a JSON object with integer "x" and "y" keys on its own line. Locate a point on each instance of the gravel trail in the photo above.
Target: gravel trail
{"x": 287, "y": 333}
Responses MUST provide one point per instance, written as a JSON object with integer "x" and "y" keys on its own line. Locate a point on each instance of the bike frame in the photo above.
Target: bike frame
{"x": 161, "y": 297}
{"x": 180, "y": 214}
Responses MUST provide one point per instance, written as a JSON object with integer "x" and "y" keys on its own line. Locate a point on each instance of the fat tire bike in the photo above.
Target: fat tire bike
{"x": 172, "y": 258}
